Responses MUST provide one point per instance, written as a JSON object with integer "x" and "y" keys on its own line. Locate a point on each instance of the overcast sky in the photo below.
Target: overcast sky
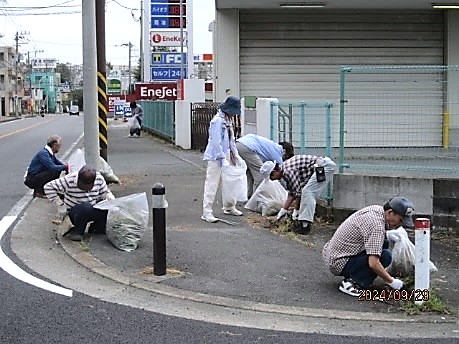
{"x": 56, "y": 29}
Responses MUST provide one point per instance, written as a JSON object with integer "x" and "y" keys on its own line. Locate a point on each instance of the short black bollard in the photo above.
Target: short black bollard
{"x": 159, "y": 229}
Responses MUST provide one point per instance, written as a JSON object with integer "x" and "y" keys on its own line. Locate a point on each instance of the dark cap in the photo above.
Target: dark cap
{"x": 404, "y": 208}
{"x": 86, "y": 178}
{"x": 232, "y": 105}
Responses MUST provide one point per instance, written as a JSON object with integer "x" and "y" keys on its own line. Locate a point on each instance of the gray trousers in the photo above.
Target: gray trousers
{"x": 253, "y": 161}
{"x": 312, "y": 190}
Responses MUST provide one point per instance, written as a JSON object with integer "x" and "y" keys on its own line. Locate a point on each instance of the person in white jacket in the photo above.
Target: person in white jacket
{"x": 220, "y": 152}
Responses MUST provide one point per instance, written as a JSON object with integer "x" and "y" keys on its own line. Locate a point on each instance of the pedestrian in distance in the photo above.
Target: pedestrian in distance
{"x": 255, "y": 150}
{"x": 81, "y": 190}
{"x": 220, "y": 152}
{"x": 305, "y": 177}
{"x": 137, "y": 113}
{"x": 45, "y": 166}
{"x": 358, "y": 250}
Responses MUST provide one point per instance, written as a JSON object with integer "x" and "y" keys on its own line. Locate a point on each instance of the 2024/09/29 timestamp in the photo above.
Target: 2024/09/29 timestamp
{"x": 394, "y": 295}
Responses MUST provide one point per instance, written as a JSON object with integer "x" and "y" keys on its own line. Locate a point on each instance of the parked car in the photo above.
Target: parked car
{"x": 74, "y": 110}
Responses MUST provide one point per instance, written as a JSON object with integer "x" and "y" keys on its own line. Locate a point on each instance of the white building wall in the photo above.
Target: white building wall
{"x": 226, "y": 54}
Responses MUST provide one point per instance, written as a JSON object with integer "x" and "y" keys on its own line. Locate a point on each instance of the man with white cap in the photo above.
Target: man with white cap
{"x": 358, "y": 250}
{"x": 305, "y": 177}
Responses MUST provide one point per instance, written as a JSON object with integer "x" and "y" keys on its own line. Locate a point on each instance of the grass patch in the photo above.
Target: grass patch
{"x": 433, "y": 304}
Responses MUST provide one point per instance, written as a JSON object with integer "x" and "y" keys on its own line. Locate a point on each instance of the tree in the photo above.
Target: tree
{"x": 66, "y": 73}
{"x": 137, "y": 72}
{"x": 76, "y": 96}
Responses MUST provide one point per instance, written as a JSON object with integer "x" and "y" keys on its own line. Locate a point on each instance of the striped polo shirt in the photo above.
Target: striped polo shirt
{"x": 73, "y": 195}
{"x": 362, "y": 231}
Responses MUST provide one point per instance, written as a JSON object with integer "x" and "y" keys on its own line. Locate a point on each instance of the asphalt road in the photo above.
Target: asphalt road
{"x": 33, "y": 315}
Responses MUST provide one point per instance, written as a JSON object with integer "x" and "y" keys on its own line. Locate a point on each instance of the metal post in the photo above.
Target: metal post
{"x": 129, "y": 67}
{"x": 182, "y": 74}
{"x": 421, "y": 259}
{"x": 16, "y": 97}
{"x": 141, "y": 43}
{"x": 90, "y": 106}
{"x": 159, "y": 229}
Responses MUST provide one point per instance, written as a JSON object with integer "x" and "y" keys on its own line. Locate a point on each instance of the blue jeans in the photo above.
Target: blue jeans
{"x": 81, "y": 214}
{"x": 359, "y": 271}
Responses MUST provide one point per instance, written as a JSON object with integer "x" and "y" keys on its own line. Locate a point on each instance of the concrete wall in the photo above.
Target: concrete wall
{"x": 435, "y": 198}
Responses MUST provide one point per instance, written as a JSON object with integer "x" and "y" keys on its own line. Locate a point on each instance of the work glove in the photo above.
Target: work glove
{"x": 396, "y": 284}
{"x": 281, "y": 214}
{"x": 295, "y": 214}
{"x": 67, "y": 167}
{"x": 110, "y": 196}
{"x": 224, "y": 163}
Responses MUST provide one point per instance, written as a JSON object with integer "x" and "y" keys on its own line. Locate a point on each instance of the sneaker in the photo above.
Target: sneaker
{"x": 350, "y": 288}
{"x": 232, "y": 211}
{"x": 75, "y": 236}
{"x": 209, "y": 218}
{"x": 302, "y": 227}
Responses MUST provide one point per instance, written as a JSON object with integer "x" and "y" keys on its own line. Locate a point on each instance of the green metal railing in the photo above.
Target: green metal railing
{"x": 399, "y": 118}
{"x": 307, "y": 126}
{"x": 159, "y": 118}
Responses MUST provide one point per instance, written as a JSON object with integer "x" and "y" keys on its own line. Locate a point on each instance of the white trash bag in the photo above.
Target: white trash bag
{"x": 127, "y": 220}
{"x": 234, "y": 186}
{"x": 133, "y": 123}
{"x": 403, "y": 249}
{"x": 268, "y": 198}
{"x": 77, "y": 161}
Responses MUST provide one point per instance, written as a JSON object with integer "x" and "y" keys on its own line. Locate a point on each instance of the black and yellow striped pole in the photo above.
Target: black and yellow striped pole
{"x": 101, "y": 78}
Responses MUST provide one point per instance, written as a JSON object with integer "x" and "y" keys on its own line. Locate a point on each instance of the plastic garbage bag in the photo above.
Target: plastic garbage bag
{"x": 77, "y": 161}
{"x": 234, "y": 186}
{"x": 127, "y": 220}
{"x": 268, "y": 198}
{"x": 403, "y": 249}
{"x": 133, "y": 123}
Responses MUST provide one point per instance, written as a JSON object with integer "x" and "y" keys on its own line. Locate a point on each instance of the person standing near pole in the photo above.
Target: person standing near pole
{"x": 220, "y": 152}
{"x": 358, "y": 250}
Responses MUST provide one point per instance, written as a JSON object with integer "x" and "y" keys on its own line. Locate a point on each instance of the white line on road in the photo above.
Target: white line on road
{"x": 15, "y": 271}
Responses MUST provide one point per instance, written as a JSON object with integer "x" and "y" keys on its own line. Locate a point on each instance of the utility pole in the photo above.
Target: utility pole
{"x": 101, "y": 78}
{"x": 130, "y": 45}
{"x": 141, "y": 42}
{"x": 17, "y": 37}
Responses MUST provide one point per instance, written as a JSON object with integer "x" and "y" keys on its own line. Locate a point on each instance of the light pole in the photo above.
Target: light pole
{"x": 41, "y": 93}
{"x": 129, "y": 66}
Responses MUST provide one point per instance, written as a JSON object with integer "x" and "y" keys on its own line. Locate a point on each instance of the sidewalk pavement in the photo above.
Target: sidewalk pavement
{"x": 245, "y": 265}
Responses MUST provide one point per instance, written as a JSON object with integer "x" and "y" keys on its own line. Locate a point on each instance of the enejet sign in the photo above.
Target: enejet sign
{"x": 167, "y": 38}
{"x": 156, "y": 91}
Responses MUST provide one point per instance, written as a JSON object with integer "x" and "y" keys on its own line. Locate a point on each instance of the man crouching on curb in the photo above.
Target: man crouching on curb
{"x": 358, "y": 250}
{"x": 81, "y": 191}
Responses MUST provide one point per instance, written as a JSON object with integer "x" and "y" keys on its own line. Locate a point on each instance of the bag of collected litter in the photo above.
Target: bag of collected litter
{"x": 234, "y": 186}
{"x": 268, "y": 198}
{"x": 127, "y": 220}
{"x": 77, "y": 161}
{"x": 402, "y": 264}
{"x": 107, "y": 172}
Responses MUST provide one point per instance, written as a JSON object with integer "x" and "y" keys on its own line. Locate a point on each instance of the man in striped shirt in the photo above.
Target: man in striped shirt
{"x": 305, "y": 177}
{"x": 358, "y": 250}
{"x": 81, "y": 191}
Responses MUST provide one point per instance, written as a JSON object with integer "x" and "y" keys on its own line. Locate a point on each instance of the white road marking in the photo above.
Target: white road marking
{"x": 7, "y": 264}
{"x": 15, "y": 271}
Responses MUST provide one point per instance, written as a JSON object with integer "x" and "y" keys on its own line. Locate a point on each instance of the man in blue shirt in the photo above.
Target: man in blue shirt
{"x": 44, "y": 166}
{"x": 255, "y": 150}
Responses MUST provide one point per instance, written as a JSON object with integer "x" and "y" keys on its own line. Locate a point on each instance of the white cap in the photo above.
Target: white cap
{"x": 267, "y": 168}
